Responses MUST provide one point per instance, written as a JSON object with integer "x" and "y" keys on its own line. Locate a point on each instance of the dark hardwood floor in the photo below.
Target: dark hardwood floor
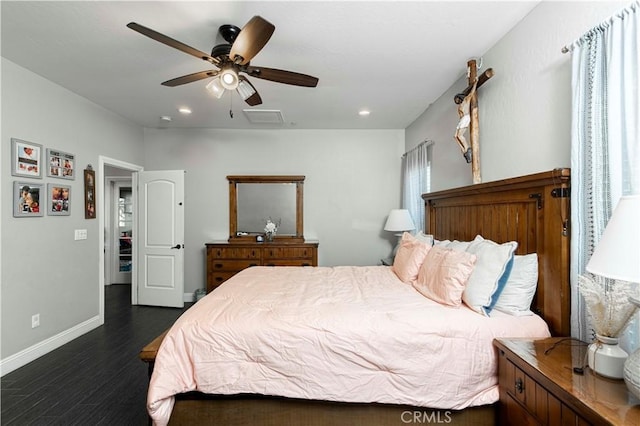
{"x": 97, "y": 379}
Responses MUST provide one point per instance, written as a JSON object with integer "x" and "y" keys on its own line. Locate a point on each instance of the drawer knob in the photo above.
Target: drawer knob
{"x": 519, "y": 385}
{"x": 218, "y": 265}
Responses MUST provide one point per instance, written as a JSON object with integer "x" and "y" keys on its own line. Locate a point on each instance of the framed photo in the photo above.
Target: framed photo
{"x": 60, "y": 164}
{"x": 58, "y": 200}
{"x": 89, "y": 194}
{"x": 27, "y": 197}
{"x": 26, "y": 159}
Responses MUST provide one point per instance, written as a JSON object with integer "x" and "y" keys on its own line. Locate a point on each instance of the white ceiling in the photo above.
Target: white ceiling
{"x": 393, "y": 58}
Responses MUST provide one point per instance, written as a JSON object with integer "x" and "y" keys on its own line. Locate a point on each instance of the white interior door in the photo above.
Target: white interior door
{"x": 160, "y": 239}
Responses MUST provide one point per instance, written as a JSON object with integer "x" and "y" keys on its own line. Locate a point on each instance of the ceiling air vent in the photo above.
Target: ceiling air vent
{"x": 264, "y": 116}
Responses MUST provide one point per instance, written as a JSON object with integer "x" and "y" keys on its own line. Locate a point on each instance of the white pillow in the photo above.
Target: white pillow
{"x": 424, "y": 238}
{"x": 518, "y": 293}
{"x": 459, "y": 245}
{"x": 490, "y": 273}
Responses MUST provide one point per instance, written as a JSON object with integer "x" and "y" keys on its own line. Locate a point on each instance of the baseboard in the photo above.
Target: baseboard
{"x": 34, "y": 352}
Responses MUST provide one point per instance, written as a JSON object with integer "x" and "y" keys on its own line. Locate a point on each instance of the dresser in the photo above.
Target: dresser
{"x": 224, "y": 259}
{"x": 538, "y": 386}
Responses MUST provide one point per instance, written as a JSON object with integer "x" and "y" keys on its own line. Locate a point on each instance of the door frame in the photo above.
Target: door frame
{"x": 102, "y": 162}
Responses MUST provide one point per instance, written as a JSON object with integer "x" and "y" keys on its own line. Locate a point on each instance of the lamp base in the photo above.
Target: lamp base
{"x": 397, "y": 246}
{"x": 632, "y": 373}
{"x": 606, "y": 358}
{"x": 632, "y": 364}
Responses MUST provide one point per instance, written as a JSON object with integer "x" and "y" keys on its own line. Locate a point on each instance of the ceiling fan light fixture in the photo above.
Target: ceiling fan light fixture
{"x": 229, "y": 78}
{"x": 215, "y": 87}
{"x": 245, "y": 90}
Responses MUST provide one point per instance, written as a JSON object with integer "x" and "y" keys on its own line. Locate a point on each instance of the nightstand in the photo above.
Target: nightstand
{"x": 539, "y": 387}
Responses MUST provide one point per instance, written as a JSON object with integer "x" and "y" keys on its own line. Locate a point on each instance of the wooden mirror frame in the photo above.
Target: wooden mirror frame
{"x": 233, "y": 206}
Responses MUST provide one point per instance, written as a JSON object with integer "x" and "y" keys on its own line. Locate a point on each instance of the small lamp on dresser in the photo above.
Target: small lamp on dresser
{"x": 399, "y": 221}
{"x": 617, "y": 256}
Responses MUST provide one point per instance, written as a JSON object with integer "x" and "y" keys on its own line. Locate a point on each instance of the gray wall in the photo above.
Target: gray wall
{"x": 352, "y": 182}
{"x": 525, "y": 109}
{"x": 43, "y": 269}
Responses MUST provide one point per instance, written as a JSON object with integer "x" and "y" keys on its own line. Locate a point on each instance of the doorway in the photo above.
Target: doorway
{"x": 113, "y": 173}
{"x": 119, "y": 238}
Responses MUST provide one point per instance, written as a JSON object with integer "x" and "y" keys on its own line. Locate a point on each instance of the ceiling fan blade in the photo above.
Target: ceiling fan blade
{"x": 172, "y": 43}
{"x": 281, "y": 76}
{"x": 248, "y": 93}
{"x": 190, "y": 78}
{"x": 252, "y": 38}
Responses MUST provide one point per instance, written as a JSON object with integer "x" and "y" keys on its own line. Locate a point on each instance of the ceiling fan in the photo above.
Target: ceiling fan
{"x": 231, "y": 59}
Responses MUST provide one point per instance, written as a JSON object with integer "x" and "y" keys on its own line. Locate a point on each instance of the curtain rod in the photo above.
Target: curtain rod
{"x": 604, "y": 24}
{"x": 424, "y": 142}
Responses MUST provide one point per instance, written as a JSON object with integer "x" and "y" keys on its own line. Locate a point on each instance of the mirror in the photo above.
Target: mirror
{"x": 254, "y": 199}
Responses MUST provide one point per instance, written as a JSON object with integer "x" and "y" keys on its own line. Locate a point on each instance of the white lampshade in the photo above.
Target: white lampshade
{"x": 617, "y": 255}
{"x": 399, "y": 220}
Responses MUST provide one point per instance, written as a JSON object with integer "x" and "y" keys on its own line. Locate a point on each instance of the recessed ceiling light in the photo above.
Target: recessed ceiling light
{"x": 165, "y": 118}
{"x": 364, "y": 112}
{"x": 184, "y": 110}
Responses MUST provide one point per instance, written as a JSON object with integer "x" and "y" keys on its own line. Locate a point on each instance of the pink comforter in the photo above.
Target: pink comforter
{"x": 353, "y": 334}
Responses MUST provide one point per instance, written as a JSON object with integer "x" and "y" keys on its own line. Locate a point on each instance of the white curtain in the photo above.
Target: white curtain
{"x": 605, "y": 143}
{"x": 416, "y": 171}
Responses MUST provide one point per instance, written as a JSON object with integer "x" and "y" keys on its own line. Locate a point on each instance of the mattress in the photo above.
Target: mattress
{"x": 348, "y": 333}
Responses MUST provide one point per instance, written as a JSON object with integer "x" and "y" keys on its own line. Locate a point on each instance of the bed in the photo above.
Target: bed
{"x": 337, "y": 344}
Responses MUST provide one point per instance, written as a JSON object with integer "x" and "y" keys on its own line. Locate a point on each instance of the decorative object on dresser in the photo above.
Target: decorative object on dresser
{"x": 541, "y": 383}
{"x": 225, "y": 259}
{"x": 399, "y": 221}
{"x": 617, "y": 258}
{"x": 270, "y": 229}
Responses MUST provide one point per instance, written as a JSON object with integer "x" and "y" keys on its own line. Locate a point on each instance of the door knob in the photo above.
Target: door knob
{"x": 177, "y": 246}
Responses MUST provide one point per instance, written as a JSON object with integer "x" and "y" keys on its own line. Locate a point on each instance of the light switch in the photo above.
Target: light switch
{"x": 80, "y": 234}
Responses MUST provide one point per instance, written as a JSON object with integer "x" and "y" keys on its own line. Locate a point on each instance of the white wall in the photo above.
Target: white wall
{"x": 525, "y": 109}
{"x": 352, "y": 182}
{"x": 43, "y": 269}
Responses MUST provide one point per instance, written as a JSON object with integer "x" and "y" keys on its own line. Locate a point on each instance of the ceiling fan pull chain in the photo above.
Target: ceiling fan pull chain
{"x": 231, "y": 106}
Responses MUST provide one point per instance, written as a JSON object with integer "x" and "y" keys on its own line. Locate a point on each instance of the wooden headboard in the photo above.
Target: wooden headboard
{"x": 533, "y": 210}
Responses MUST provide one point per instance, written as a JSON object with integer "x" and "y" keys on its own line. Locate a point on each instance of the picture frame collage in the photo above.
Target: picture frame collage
{"x": 32, "y": 198}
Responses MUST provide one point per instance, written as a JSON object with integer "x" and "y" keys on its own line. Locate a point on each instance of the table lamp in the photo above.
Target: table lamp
{"x": 399, "y": 221}
{"x": 617, "y": 256}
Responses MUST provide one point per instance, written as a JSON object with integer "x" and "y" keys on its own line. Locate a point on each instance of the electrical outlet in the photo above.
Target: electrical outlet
{"x": 35, "y": 320}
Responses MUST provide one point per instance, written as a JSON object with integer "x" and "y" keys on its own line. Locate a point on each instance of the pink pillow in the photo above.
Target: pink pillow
{"x": 444, "y": 275}
{"x": 409, "y": 257}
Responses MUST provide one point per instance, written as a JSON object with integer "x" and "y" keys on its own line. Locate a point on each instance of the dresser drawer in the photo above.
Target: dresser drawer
{"x": 216, "y": 265}
{"x": 288, "y": 253}
{"x": 233, "y": 253}
{"x": 214, "y": 279}
{"x": 288, "y": 262}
